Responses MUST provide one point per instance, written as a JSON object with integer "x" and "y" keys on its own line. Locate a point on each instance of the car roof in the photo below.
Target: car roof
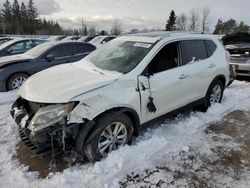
{"x": 152, "y": 37}
{"x": 68, "y": 42}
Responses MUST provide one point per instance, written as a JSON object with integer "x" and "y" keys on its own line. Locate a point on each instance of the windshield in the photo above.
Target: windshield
{"x": 97, "y": 40}
{"x": 8, "y": 43}
{"x": 119, "y": 55}
{"x": 40, "y": 49}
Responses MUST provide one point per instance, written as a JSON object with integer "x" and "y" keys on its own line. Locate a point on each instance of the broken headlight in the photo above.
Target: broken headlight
{"x": 50, "y": 115}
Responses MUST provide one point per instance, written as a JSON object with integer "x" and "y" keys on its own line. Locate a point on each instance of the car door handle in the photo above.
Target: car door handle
{"x": 183, "y": 76}
{"x": 212, "y": 65}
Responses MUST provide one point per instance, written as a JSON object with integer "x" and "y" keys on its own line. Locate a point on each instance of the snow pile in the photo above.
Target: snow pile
{"x": 7, "y": 97}
{"x": 156, "y": 146}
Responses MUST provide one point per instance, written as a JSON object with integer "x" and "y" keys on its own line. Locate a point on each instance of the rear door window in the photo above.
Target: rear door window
{"x": 62, "y": 51}
{"x": 193, "y": 50}
{"x": 79, "y": 49}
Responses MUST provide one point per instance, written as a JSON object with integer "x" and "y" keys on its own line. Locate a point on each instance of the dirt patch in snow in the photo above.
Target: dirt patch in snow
{"x": 236, "y": 126}
{"x": 35, "y": 163}
{"x": 229, "y": 159}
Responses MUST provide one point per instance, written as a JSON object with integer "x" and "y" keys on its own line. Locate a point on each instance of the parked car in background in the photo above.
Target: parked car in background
{"x": 86, "y": 38}
{"x": 100, "y": 40}
{"x": 238, "y": 45}
{"x": 71, "y": 38}
{"x": 56, "y": 38}
{"x": 5, "y": 39}
{"x": 14, "y": 70}
{"x": 18, "y": 46}
{"x": 98, "y": 103}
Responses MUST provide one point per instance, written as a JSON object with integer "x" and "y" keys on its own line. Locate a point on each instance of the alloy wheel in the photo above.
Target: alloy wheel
{"x": 215, "y": 95}
{"x": 17, "y": 82}
{"x": 112, "y": 137}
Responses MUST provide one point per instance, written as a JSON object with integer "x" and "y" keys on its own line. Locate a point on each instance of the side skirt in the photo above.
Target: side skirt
{"x": 187, "y": 108}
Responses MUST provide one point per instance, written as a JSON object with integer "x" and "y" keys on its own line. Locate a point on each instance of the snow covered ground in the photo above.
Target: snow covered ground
{"x": 165, "y": 145}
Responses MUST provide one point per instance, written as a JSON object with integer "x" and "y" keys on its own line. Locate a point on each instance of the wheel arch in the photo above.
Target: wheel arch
{"x": 221, "y": 78}
{"x": 132, "y": 114}
{"x": 90, "y": 125}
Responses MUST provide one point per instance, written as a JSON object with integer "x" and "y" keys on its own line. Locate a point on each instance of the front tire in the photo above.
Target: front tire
{"x": 16, "y": 80}
{"x": 110, "y": 133}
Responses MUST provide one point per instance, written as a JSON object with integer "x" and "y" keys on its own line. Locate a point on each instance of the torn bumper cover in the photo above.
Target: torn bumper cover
{"x": 41, "y": 125}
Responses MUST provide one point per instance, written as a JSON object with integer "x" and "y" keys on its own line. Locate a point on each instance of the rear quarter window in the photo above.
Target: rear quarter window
{"x": 211, "y": 47}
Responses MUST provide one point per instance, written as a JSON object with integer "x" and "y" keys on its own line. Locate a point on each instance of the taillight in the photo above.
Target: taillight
{"x": 227, "y": 54}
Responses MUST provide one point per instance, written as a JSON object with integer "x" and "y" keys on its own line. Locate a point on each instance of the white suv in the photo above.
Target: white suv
{"x": 98, "y": 103}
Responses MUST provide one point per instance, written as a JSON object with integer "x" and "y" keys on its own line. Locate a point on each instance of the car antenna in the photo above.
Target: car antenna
{"x": 150, "y": 105}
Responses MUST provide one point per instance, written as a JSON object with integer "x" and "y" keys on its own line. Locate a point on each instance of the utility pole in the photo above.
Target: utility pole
{"x": 82, "y": 33}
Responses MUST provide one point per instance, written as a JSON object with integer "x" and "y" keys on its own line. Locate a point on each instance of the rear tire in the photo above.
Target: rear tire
{"x": 109, "y": 134}
{"x": 214, "y": 95}
{"x": 16, "y": 80}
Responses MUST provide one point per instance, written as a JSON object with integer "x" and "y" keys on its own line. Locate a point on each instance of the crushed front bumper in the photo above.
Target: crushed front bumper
{"x": 39, "y": 143}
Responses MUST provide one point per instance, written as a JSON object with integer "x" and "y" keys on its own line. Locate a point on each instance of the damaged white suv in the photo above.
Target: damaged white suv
{"x": 97, "y": 104}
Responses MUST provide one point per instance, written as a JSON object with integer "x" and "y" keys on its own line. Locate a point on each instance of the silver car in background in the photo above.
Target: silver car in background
{"x": 238, "y": 45}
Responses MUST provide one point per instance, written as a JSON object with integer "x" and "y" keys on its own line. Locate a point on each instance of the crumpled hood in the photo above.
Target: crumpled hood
{"x": 61, "y": 83}
{"x": 14, "y": 59}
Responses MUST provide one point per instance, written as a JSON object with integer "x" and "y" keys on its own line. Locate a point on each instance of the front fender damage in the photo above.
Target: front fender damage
{"x": 85, "y": 113}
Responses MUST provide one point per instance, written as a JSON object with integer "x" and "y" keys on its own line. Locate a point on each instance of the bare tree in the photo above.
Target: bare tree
{"x": 116, "y": 28}
{"x": 205, "y": 19}
{"x": 181, "y": 22}
{"x": 194, "y": 19}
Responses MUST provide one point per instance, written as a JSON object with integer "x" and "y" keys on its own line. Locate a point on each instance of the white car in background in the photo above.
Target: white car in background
{"x": 97, "y": 104}
{"x": 56, "y": 37}
{"x": 238, "y": 45}
{"x": 86, "y": 38}
{"x": 100, "y": 40}
{"x": 71, "y": 38}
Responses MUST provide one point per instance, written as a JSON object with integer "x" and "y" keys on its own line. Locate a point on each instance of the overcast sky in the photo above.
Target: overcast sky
{"x": 135, "y": 13}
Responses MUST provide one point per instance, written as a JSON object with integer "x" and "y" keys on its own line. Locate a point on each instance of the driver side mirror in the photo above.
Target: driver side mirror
{"x": 146, "y": 73}
{"x": 50, "y": 57}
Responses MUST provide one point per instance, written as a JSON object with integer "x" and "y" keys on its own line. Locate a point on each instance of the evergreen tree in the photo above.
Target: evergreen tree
{"x": 218, "y": 27}
{"x": 171, "y": 22}
{"x": 229, "y": 26}
{"x": 32, "y": 17}
{"x": 242, "y": 28}
{"x": 16, "y": 17}
{"x": 7, "y": 16}
{"x": 23, "y": 19}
